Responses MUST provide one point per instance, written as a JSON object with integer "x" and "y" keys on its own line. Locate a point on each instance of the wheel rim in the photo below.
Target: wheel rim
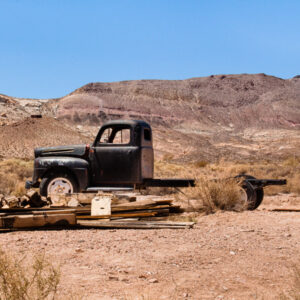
{"x": 60, "y": 185}
{"x": 243, "y": 196}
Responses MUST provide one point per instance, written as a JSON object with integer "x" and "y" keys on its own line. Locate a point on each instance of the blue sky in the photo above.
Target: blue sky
{"x": 49, "y": 48}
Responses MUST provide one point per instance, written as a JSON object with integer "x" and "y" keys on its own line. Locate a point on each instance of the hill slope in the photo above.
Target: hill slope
{"x": 234, "y": 101}
{"x": 233, "y": 116}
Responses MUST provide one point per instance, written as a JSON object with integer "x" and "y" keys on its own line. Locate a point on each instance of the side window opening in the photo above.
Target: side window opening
{"x": 118, "y": 136}
{"x": 122, "y": 136}
{"x": 147, "y": 134}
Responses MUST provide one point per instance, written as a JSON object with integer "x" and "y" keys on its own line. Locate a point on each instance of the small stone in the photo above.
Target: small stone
{"x": 185, "y": 295}
{"x": 12, "y": 201}
{"x": 113, "y": 278}
{"x": 153, "y": 280}
{"x": 73, "y": 203}
{"x": 35, "y": 199}
{"x": 24, "y": 200}
{"x": 232, "y": 253}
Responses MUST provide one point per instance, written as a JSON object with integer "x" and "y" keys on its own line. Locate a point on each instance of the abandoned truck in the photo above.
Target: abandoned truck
{"x": 121, "y": 158}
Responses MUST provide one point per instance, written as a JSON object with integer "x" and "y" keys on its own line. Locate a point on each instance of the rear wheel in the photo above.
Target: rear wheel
{"x": 58, "y": 183}
{"x": 255, "y": 195}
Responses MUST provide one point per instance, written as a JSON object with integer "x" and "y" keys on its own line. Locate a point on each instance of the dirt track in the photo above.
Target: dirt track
{"x": 247, "y": 255}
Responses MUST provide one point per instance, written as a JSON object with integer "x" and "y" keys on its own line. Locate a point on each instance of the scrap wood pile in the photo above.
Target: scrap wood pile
{"x": 125, "y": 211}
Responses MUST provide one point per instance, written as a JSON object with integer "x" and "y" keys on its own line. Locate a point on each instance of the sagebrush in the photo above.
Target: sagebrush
{"x": 19, "y": 281}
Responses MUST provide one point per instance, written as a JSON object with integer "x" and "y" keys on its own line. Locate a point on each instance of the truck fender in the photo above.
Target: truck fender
{"x": 75, "y": 166}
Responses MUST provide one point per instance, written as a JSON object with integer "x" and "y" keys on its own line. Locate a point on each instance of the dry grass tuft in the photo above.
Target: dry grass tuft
{"x": 221, "y": 194}
{"x": 20, "y": 282}
{"x": 201, "y": 163}
{"x": 13, "y": 173}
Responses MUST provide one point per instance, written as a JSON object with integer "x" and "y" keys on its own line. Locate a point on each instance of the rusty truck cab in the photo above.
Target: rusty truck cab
{"x": 122, "y": 154}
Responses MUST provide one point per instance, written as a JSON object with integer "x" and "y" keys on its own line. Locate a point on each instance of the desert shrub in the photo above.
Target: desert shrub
{"x": 201, "y": 163}
{"x": 13, "y": 173}
{"x": 220, "y": 194}
{"x": 21, "y": 282}
{"x": 168, "y": 156}
{"x": 292, "y": 161}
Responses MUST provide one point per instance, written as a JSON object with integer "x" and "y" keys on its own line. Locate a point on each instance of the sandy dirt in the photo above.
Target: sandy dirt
{"x": 248, "y": 255}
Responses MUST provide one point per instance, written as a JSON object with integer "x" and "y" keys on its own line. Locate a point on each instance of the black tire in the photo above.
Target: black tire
{"x": 64, "y": 176}
{"x": 259, "y": 197}
{"x": 254, "y": 195}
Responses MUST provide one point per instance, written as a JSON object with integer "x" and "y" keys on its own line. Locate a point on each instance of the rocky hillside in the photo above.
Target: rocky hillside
{"x": 232, "y": 116}
{"x": 233, "y": 101}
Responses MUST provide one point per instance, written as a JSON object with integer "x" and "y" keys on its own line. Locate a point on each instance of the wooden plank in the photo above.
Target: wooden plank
{"x": 53, "y": 212}
{"x": 137, "y": 207}
{"x": 125, "y": 208}
{"x": 169, "y": 223}
{"x": 162, "y": 209}
{"x": 290, "y": 209}
{"x": 128, "y": 215}
{"x": 129, "y": 225}
{"x": 34, "y": 221}
{"x": 30, "y": 210}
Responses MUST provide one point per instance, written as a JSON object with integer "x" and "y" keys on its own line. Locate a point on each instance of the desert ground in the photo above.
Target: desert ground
{"x": 205, "y": 128}
{"x": 227, "y": 255}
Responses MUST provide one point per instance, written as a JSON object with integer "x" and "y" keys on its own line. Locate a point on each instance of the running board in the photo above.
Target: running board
{"x": 109, "y": 189}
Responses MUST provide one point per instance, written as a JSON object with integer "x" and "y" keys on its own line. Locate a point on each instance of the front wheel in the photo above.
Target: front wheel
{"x": 62, "y": 183}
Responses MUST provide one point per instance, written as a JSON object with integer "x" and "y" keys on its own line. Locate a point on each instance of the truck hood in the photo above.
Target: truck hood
{"x": 72, "y": 150}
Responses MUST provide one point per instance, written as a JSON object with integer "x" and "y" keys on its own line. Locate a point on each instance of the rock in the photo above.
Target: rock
{"x": 35, "y": 199}
{"x": 73, "y": 202}
{"x": 12, "y": 201}
{"x": 153, "y": 280}
{"x": 232, "y": 253}
{"x": 4, "y": 115}
{"x": 24, "y": 200}
{"x": 58, "y": 200}
{"x": 114, "y": 278}
{"x": 1, "y": 200}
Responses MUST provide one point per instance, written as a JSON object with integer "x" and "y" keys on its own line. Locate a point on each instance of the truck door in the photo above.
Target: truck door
{"x": 115, "y": 158}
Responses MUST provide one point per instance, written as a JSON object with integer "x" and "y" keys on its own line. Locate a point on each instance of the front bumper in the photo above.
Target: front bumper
{"x": 29, "y": 184}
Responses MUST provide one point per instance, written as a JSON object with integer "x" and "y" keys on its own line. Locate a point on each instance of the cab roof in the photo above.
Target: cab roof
{"x": 131, "y": 123}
